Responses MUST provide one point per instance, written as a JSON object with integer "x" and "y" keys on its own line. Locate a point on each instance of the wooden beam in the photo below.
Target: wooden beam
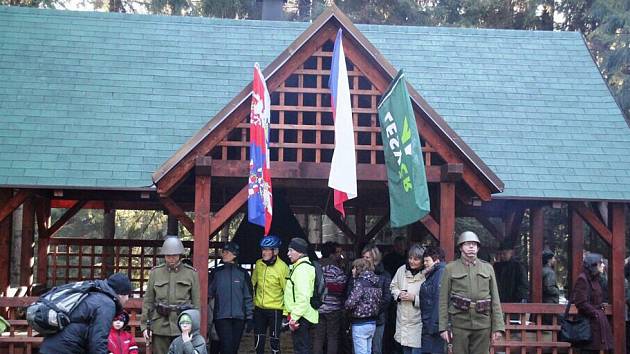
{"x": 43, "y": 240}
{"x": 28, "y": 239}
{"x": 512, "y": 222}
{"x": 175, "y": 210}
{"x": 202, "y": 242}
{"x": 65, "y": 217}
{"x": 334, "y": 216}
{"x": 576, "y": 232}
{"x": 490, "y": 227}
{"x": 6, "y": 231}
{"x": 537, "y": 234}
{"x": 360, "y": 225}
{"x": 617, "y": 274}
{"x": 318, "y": 170}
{"x": 377, "y": 227}
{"x": 593, "y": 221}
{"x": 447, "y": 219}
{"x": 13, "y": 203}
{"x": 229, "y": 209}
{"x": 452, "y": 172}
{"x": 434, "y": 228}
{"x": 172, "y": 225}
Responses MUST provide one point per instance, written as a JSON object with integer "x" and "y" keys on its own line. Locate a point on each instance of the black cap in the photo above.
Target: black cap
{"x": 547, "y": 255}
{"x": 120, "y": 283}
{"x": 299, "y": 245}
{"x": 232, "y": 247}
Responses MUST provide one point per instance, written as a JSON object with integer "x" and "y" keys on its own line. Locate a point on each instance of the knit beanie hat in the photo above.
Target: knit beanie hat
{"x": 120, "y": 283}
{"x": 122, "y": 316}
{"x": 232, "y": 247}
{"x": 546, "y": 256}
{"x": 299, "y": 245}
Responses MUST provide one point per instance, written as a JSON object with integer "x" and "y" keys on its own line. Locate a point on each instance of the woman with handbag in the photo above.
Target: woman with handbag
{"x": 588, "y": 298}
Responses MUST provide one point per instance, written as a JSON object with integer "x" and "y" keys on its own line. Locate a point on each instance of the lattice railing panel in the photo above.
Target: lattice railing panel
{"x": 302, "y": 126}
{"x": 71, "y": 259}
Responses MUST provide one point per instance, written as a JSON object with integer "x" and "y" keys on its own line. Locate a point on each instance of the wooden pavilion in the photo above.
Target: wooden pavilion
{"x": 95, "y": 94}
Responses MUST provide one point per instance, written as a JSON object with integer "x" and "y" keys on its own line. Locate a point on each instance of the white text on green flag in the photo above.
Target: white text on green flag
{"x": 407, "y": 180}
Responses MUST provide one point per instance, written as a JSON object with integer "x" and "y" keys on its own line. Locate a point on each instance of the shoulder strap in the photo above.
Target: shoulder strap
{"x": 291, "y": 275}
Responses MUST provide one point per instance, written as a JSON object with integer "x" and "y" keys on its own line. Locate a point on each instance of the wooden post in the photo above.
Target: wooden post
{"x": 202, "y": 234}
{"x": 43, "y": 240}
{"x": 172, "y": 227}
{"x": 576, "y": 232}
{"x": 617, "y": 264}
{"x": 6, "y": 230}
{"x": 537, "y": 229}
{"x": 360, "y": 225}
{"x": 28, "y": 235}
{"x": 447, "y": 219}
{"x": 109, "y": 233}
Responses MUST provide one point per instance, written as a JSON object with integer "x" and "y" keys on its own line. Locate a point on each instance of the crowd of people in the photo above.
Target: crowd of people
{"x": 410, "y": 301}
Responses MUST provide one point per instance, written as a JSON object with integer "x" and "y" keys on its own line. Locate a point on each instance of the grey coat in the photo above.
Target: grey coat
{"x": 196, "y": 345}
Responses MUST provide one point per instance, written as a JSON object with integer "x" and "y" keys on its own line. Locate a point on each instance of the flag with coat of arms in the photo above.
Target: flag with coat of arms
{"x": 260, "y": 197}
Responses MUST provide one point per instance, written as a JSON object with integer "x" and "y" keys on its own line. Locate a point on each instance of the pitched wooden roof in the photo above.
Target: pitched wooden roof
{"x": 102, "y": 100}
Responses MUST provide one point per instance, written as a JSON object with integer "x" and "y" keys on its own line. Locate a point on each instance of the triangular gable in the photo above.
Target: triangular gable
{"x": 379, "y": 71}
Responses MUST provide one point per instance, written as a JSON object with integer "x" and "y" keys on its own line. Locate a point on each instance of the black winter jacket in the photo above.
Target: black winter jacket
{"x": 231, "y": 288}
{"x": 89, "y": 330}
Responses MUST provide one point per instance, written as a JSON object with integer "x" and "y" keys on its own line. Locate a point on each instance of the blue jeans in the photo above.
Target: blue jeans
{"x": 377, "y": 342}
{"x": 411, "y": 350}
{"x": 362, "y": 334}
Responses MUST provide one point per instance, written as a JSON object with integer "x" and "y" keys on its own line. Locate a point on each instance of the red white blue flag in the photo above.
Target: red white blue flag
{"x": 260, "y": 199}
{"x": 343, "y": 169}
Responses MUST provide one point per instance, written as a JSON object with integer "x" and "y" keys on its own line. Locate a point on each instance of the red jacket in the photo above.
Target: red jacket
{"x": 121, "y": 342}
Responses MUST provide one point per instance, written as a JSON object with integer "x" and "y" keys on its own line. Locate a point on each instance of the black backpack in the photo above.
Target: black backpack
{"x": 51, "y": 312}
{"x": 319, "y": 289}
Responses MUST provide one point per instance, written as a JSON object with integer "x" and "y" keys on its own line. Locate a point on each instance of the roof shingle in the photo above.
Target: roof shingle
{"x": 102, "y": 100}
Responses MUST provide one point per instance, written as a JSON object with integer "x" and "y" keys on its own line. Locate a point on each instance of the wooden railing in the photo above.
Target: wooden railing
{"x": 22, "y": 339}
{"x": 530, "y": 328}
{"x": 533, "y": 328}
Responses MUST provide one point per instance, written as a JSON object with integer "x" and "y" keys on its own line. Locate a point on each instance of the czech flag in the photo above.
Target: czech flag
{"x": 259, "y": 201}
{"x": 343, "y": 169}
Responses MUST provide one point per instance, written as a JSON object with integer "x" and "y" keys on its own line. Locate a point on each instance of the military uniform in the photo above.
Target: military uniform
{"x": 469, "y": 299}
{"x": 169, "y": 292}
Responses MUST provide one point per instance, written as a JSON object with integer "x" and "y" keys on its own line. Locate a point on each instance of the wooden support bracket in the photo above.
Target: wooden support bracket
{"x": 593, "y": 221}
{"x": 179, "y": 213}
{"x": 335, "y": 218}
{"x": 434, "y": 228}
{"x": 13, "y": 203}
{"x": 377, "y": 227}
{"x": 66, "y": 216}
{"x": 229, "y": 209}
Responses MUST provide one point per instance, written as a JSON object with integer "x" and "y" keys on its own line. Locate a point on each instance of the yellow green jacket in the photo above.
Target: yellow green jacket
{"x": 301, "y": 286}
{"x": 269, "y": 283}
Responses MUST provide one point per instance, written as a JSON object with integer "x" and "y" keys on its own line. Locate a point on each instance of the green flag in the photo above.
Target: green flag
{"x": 408, "y": 191}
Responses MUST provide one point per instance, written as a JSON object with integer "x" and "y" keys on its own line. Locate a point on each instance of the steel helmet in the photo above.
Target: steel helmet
{"x": 172, "y": 245}
{"x": 271, "y": 241}
{"x": 468, "y": 236}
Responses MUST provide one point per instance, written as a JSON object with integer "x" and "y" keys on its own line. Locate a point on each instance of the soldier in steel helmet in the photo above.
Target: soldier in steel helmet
{"x": 470, "y": 309}
{"x": 173, "y": 287}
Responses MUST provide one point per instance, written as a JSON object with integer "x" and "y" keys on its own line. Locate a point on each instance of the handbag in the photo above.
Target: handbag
{"x": 576, "y": 330}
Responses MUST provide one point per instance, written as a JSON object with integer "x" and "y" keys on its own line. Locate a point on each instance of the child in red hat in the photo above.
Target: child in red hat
{"x": 121, "y": 341}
